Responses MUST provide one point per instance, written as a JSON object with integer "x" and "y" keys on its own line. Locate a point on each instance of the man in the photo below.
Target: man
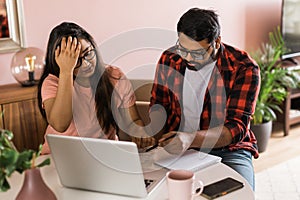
{"x": 208, "y": 90}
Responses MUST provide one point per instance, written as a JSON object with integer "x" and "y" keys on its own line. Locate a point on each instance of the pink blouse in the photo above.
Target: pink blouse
{"x": 85, "y": 122}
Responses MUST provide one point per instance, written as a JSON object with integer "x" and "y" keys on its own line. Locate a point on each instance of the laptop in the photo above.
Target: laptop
{"x": 102, "y": 165}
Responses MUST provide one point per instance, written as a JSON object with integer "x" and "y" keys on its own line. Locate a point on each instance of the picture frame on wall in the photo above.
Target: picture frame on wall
{"x": 11, "y": 26}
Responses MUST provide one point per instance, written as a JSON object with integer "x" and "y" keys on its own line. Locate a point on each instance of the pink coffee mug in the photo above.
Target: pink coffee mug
{"x": 182, "y": 184}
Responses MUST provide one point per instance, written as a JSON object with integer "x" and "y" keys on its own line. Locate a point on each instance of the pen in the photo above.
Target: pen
{"x": 156, "y": 145}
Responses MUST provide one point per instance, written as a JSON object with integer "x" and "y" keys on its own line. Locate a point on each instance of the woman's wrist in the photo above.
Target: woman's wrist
{"x": 66, "y": 74}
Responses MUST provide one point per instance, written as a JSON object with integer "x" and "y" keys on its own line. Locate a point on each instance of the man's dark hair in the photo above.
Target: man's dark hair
{"x": 199, "y": 24}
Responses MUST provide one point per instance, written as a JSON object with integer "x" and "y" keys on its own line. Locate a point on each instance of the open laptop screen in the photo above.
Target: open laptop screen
{"x": 98, "y": 165}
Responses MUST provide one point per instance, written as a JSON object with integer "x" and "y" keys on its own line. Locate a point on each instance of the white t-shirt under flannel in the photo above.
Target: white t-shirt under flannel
{"x": 194, "y": 88}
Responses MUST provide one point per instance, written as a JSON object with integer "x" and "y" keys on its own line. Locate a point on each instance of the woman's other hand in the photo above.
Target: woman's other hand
{"x": 143, "y": 142}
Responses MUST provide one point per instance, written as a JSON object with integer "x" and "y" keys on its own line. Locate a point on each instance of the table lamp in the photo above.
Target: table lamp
{"x": 27, "y": 66}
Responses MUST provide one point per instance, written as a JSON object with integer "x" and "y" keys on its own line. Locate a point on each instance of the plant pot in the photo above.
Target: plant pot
{"x": 262, "y": 133}
{"x": 34, "y": 187}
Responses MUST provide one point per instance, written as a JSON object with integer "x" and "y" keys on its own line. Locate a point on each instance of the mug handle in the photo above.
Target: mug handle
{"x": 198, "y": 184}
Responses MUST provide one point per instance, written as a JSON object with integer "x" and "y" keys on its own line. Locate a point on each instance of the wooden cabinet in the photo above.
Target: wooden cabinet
{"x": 22, "y": 116}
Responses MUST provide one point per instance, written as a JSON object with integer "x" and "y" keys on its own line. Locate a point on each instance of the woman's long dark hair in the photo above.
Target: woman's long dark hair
{"x": 100, "y": 80}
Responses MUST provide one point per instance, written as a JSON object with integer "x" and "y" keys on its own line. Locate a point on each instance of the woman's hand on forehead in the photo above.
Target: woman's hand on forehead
{"x": 66, "y": 55}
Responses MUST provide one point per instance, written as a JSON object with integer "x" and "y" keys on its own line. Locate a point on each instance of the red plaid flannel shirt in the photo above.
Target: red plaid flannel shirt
{"x": 230, "y": 97}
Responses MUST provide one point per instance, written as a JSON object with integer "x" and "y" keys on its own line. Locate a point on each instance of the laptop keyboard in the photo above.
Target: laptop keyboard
{"x": 148, "y": 182}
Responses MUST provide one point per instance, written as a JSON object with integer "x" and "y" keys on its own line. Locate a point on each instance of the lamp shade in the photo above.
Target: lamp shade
{"x": 27, "y": 66}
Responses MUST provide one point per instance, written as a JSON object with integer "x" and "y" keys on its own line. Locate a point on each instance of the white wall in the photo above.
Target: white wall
{"x": 133, "y": 33}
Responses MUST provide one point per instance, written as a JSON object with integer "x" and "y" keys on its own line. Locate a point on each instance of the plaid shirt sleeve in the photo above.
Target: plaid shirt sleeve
{"x": 166, "y": 89}
{"x": 242, "y": 100}
{"x": 159, "y": 92}
{"x": 242, "y": 81}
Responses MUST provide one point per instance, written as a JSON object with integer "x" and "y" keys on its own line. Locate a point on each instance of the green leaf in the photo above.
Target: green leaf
{"x": 4, "y": 185}
{"x": 45, "y": 162}
{"x": 24, "y": 160}
{"x": 9, "y": 170}
{"x": 8, "y": 157}
{"x": 39, "y": 151}
{"x": 8, "y": 134}
{"x": 271, "y": 114}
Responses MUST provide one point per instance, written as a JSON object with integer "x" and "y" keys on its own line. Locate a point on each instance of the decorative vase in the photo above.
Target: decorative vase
{"x": 34, "y": 187}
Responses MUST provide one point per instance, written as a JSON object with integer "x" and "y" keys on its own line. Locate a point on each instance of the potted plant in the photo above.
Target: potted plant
{"x": 275, "y": 80}
{"x": 12, "y": 160}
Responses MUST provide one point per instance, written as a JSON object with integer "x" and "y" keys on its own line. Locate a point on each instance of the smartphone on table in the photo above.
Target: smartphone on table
{"x": 221, "y": 188}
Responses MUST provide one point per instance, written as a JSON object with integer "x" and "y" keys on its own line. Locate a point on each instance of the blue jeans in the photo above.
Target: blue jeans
{"x": 240, "y": 161}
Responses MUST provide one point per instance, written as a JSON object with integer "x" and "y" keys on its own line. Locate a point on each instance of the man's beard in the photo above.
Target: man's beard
{"x": 198, "y": 66}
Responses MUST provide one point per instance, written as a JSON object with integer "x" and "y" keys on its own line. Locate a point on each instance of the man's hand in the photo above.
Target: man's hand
{"x": 171, "y": 142}
{"x": 176, "y": 142}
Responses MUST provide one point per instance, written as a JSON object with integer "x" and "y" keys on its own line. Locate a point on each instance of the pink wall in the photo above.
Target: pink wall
{"x": 244, "y": 24}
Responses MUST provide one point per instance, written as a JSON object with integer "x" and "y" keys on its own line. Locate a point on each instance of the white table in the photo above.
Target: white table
{"x": 207, "y": 175}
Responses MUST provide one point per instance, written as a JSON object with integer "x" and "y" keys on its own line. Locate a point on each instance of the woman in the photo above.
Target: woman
{"x": 80, "y": 96}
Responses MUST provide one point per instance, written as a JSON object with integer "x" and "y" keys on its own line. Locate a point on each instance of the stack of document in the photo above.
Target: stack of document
{"x": 190, "y": 160}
